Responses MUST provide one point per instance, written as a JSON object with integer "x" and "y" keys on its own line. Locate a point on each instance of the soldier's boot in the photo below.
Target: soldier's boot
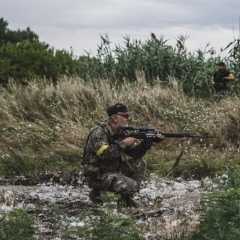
{"x": 95, "y": 196}
{"x": 129, "y": 203}
{"x": 134, "y": 204}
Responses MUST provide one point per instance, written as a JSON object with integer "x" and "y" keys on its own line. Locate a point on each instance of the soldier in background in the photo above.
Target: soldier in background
{"x": 221, "y": 78}
{"x": 104, "y": 159}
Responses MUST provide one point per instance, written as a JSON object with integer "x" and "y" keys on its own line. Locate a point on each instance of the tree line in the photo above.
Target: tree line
{"x": 23, "y": 57}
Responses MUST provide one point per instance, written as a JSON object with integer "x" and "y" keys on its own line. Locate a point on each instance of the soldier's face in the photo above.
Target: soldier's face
{"x": 123, "y": 118}
{"x": 221, "y": 68}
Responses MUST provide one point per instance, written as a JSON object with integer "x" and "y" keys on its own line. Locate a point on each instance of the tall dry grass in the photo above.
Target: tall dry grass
{"x": 42, "y": 121}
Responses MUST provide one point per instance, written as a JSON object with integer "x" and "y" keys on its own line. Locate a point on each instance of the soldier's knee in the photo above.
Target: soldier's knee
{"x": 130, "y": 188}
{"x": 128, "y": 191}
{"x": 125, "y": 186}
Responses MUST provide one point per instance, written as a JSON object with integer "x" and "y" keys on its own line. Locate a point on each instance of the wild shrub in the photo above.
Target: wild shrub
{"x": 16, "y": 224}
{"x": 220, "y": 211}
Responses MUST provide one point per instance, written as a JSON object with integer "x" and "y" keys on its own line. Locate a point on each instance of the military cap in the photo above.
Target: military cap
{"x": 118, "y": 107}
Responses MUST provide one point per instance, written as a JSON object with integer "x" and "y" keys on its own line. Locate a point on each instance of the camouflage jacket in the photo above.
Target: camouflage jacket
{"x": 219, "y": 81}
{"x": 100, "y": 151}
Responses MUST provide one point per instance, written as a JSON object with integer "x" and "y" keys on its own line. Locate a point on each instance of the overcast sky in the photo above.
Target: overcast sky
{"x": 79, "y": 23}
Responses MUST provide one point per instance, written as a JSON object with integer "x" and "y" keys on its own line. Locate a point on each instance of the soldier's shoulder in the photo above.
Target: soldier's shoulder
{"x": 101, "y": 126}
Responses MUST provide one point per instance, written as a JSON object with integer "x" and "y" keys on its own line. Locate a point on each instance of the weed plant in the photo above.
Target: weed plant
{"x": 159, "y": 62}
{"x": 220, "y": 212}
{"x": 16, "y": 224}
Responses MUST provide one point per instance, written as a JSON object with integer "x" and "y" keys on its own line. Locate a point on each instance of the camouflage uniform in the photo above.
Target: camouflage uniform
{"x": 220, "y": 84}
{"x": 104, "y": 165}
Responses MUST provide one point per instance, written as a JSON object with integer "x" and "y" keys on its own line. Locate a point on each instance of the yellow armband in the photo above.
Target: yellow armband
{"x": 101, "y": 149}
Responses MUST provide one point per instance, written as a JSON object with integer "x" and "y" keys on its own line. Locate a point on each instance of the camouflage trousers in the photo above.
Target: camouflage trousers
{"x": 126, "y": 182}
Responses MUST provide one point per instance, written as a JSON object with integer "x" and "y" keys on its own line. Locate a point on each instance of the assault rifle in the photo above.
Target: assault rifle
{"x": 149, "y": 133}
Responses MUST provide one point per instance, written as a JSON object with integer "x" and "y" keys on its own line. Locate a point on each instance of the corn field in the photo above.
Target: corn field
{"x": 159, "y": 62}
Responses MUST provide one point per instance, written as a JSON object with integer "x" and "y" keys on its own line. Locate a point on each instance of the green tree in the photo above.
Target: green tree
{"x": 7, "y": 35}
{"x": 23, "y": 57}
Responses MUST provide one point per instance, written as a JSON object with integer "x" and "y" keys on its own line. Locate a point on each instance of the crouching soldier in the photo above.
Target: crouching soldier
{"x": 105, "y": 168}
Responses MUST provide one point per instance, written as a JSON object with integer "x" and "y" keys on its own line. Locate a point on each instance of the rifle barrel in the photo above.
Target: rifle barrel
{"x": 187, "y": 135}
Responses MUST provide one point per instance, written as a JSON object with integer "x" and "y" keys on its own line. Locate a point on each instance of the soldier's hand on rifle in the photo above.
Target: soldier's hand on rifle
{"x": 212, "y": 80}
{"x": 159, "y": 135}
{"x": 130, "y": 141}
